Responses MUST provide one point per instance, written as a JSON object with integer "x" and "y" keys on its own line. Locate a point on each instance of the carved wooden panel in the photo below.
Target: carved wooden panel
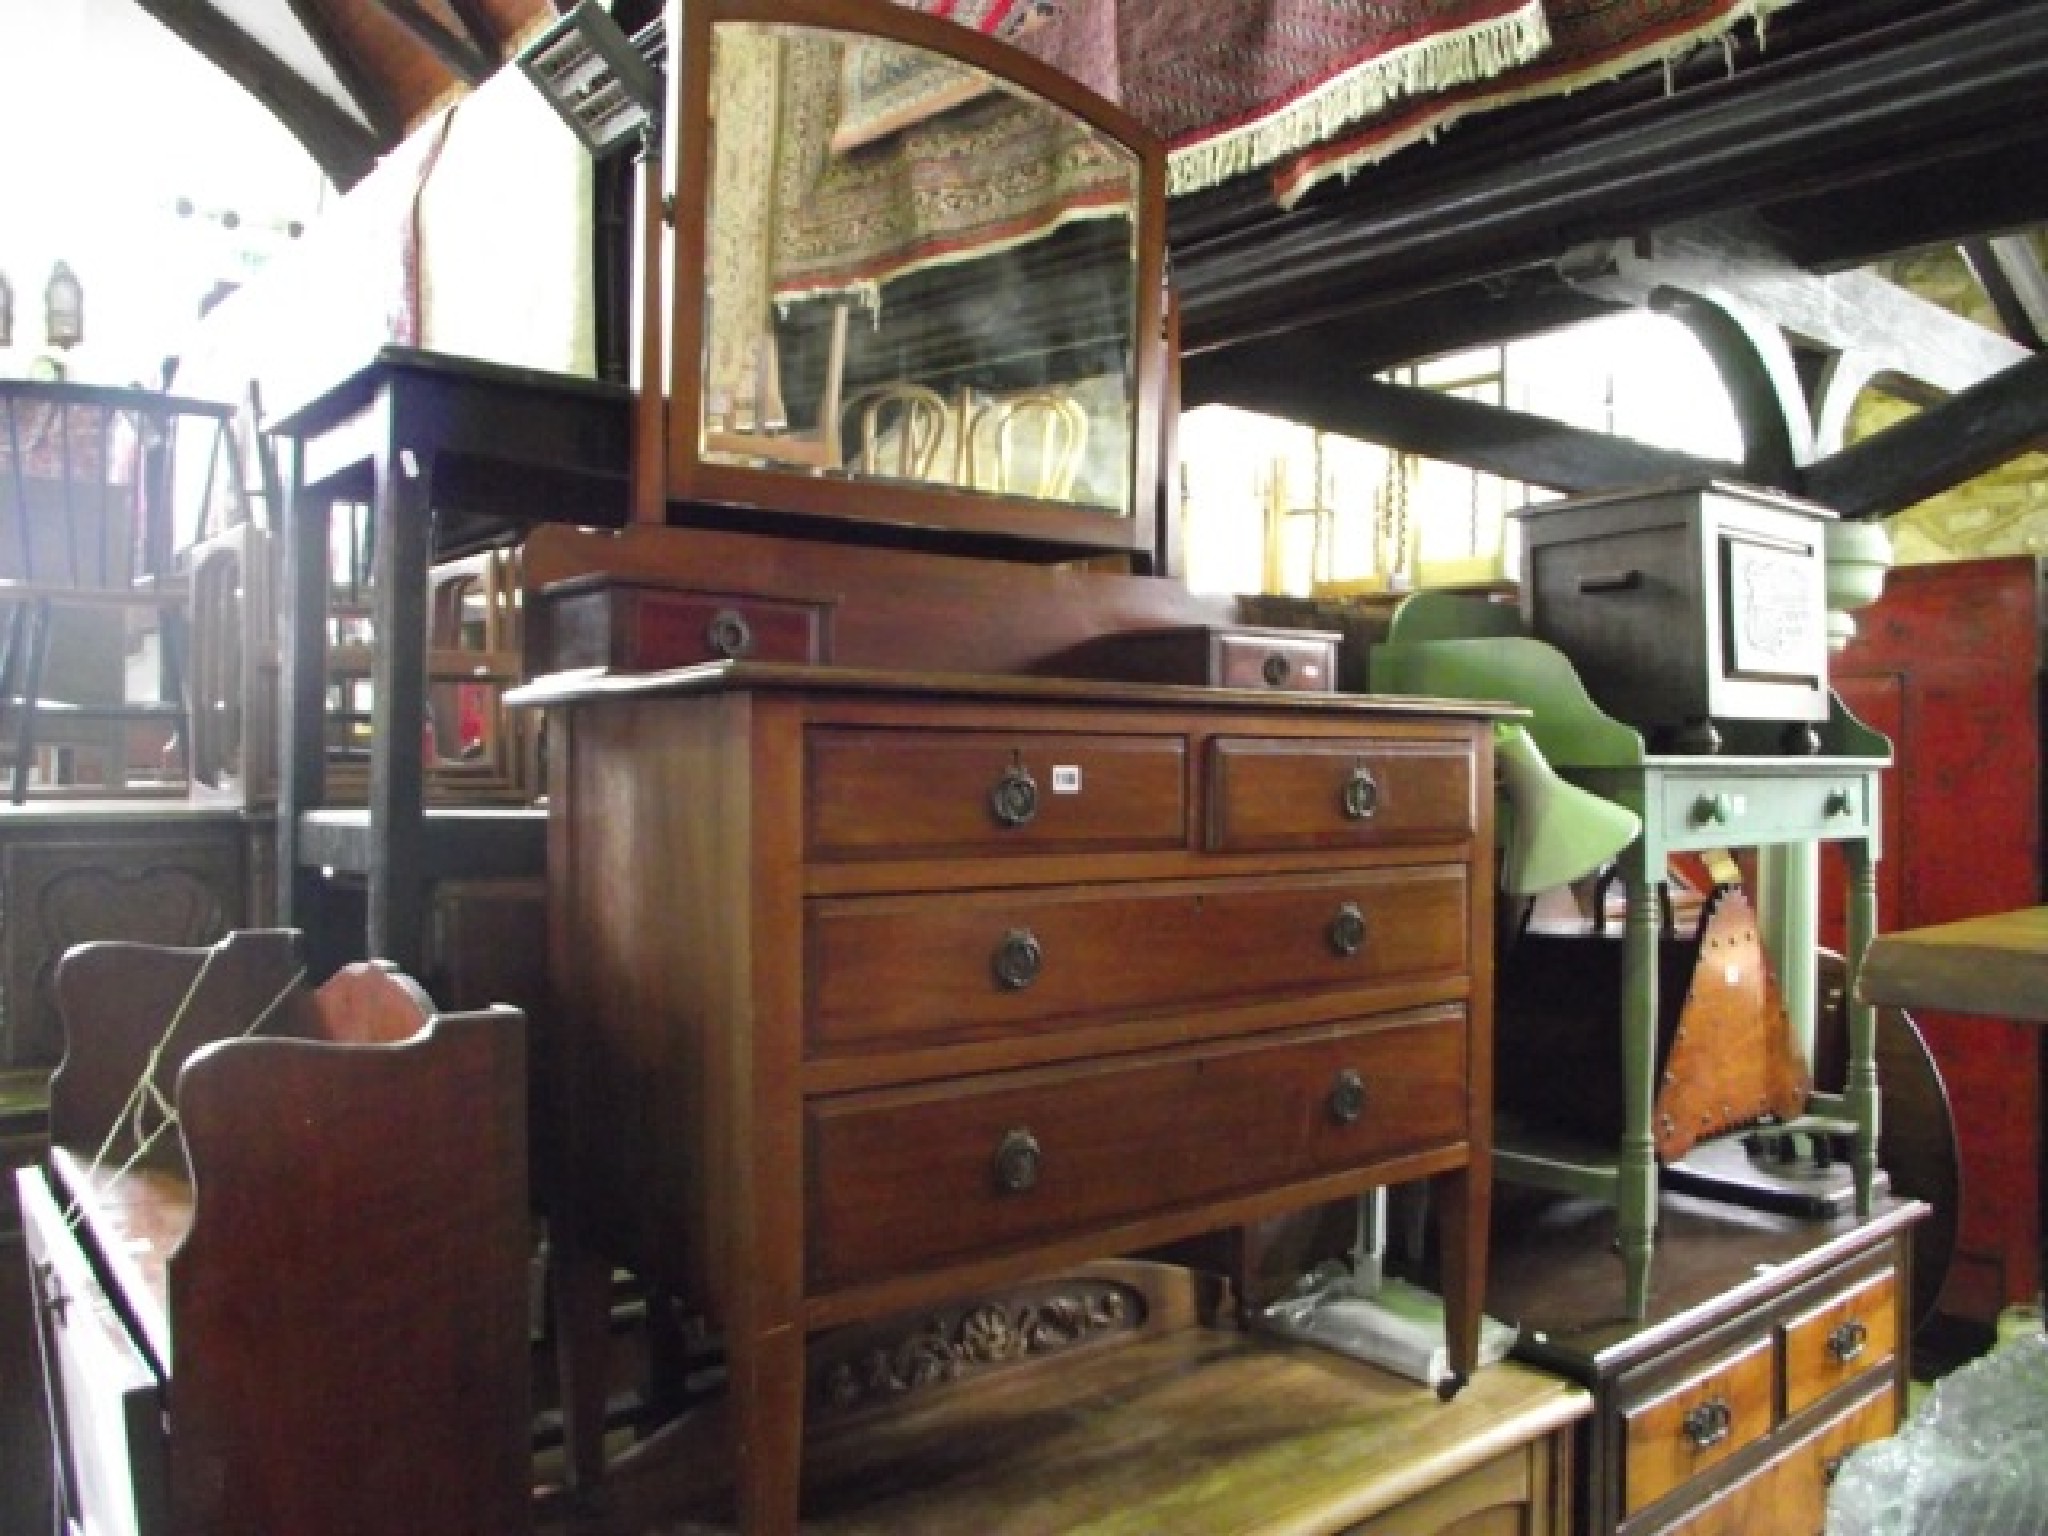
{"x": 159, "y": 888}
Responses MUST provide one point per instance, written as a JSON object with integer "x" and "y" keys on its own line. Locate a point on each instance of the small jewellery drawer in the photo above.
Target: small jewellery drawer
{"x": 1703, "y": 1421}
{"x": 1293, "y": 663}
{"x": 1232, "y": 656}
{"x": 1278, "y": 794}
{"x": 905, "y": 794}
{"x": 988, "y": 961}
{"x": 901, "y": 1179}
{"x": 1839, "y": 1340}
{"x": 635, "y": 629}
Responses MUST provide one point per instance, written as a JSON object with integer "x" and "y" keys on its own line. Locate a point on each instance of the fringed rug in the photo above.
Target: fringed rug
{"x": 1322, "y": 88}
{"x": 1590, "y": 41}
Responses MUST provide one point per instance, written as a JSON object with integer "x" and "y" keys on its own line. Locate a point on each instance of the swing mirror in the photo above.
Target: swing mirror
{"x": 925, "y": 286}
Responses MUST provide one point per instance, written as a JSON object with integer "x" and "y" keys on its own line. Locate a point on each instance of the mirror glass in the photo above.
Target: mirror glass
{"x": 916, "y": 273}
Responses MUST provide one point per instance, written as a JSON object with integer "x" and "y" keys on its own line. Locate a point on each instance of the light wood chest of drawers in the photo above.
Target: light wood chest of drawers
{"x": 878, "y": 988}
{"x": 1772, "y": 1347}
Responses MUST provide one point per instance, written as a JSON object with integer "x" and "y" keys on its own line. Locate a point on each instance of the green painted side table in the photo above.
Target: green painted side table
{"x": 1784, "y": 806}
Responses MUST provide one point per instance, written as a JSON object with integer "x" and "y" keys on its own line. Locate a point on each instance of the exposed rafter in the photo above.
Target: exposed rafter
{"x": 363, "y": 87}
{"x": 1321, "y": 385}
{"x": 1796, "y": 126}
{"x": 2010, "y": 274}
{"x": 1929, "y": 452}
{"x": 343, "y": 148}
{"x": 464, "y": 59}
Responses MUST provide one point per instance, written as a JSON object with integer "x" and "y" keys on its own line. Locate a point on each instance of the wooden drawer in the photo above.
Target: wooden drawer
{"x": 931, "y": 969}
{"x": 1271, "y": 795}
{"x": 904, "y": 1178}
{"x": 639, "y": 629}
{"x": 1839, "y": 1340}
{"x": 1764, "y": 808}
{"x": 1298, "y": 663}
{"x": 1290, "y": 660}
{"x": 1698, "y": 1424}
{"x": 904, "y": 794}
{"x": 1789, "y": 1493}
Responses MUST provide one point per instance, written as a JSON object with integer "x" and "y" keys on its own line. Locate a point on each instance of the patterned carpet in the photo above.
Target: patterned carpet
{"x": 1321, "y": 88}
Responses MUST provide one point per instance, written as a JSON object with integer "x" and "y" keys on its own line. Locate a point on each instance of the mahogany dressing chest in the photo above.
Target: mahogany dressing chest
{"x": 882, "y": 988}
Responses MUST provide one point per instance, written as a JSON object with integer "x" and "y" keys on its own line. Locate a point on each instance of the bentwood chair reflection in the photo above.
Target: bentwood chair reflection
{"x": 1028, "y": 444}
{"x": 903, "y": 429}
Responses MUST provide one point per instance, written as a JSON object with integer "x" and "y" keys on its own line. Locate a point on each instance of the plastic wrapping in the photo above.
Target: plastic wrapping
{"x": 1388, "y": 1323}
{"x": 1972, "y": 1461}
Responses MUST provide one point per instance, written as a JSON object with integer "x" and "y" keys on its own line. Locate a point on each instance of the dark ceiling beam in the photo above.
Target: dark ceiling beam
{"x": 477, "y": 27}
{"x": 1786, "y": 129}
{"x": 1939, "y": 448}
{"x": 2011, "y": 278}
{"x": 467, "y": 62}
{"x": 1309, "y": 384}
{"x": 1969, "y": 191}
{"x": 344, "y": 149}
{"x": 364, "y": 88}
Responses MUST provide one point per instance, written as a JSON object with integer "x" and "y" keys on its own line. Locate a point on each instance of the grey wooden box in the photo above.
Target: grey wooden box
{"x": 1685, "y": 605}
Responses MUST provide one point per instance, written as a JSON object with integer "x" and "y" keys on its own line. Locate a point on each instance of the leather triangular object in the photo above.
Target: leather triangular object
{"x": 1733, "y": 1060}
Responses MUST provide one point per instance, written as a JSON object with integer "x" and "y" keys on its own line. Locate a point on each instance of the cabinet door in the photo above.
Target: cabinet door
{"x": 103, "y": 1398}
{"x": 180, "y": 889}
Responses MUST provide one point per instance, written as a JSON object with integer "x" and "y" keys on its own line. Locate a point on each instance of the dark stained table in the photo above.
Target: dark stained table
{"x": 451, "y": 455}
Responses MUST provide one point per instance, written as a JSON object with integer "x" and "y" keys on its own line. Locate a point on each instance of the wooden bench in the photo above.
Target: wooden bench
{"x": 279, "y": 1250}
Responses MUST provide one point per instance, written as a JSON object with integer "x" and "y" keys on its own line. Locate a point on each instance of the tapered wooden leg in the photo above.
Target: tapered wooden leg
{"x": 1463, "y": 1200}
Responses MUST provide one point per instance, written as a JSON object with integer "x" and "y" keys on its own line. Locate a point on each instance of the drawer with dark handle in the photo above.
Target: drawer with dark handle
{"x": 1276, "y": 795}
{"x": 1840, "y": 1339}
{"x": 1701, "y": 1422}
{"x": 1290, "y": 663}
{"x": 904, "y": 794}
{"x": 927, "y": 969}
{"x": 903, "y": 1179}
{"x": 1790, "y": 1491}
{"x": 632, "y": 629}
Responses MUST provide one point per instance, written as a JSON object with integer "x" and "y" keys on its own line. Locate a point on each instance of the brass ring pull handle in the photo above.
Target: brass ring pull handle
{"x": 1014, "y": 800}
{"x": 1709, "y": 1424}
{"x": 1347, "y": 930}
{"x": 1018, "y": 959}
{"x": 1847, "y": 1341}
{"x": 1276, "y": 669}
{"x": 1347, "y": 1097}
{"x": 1361, "y": 794}
{"x": 729, "y": 634}
{"x": 1017, "y": 1161}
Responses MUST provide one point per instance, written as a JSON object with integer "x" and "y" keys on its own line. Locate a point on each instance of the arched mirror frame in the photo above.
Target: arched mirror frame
{"x": 950, "y": 516}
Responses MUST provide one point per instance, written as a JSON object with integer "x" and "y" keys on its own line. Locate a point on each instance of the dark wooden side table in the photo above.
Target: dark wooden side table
{"x": 450, "y": 455}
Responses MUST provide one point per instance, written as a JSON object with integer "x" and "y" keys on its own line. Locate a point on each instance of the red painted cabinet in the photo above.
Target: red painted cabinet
{"x": 1949, "y": 664}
